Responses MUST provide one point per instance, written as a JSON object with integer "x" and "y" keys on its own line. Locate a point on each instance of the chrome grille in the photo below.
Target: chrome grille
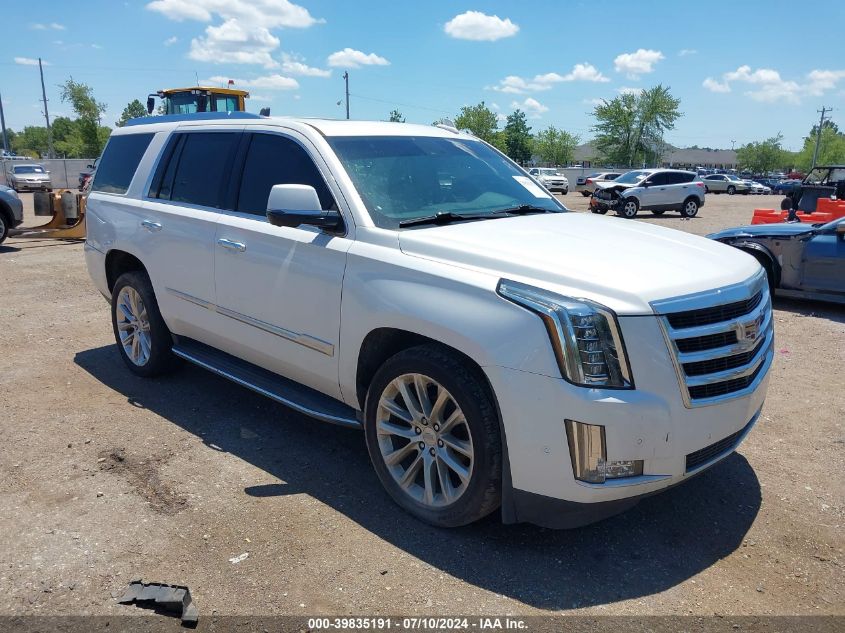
{"x": 721, "y": 342}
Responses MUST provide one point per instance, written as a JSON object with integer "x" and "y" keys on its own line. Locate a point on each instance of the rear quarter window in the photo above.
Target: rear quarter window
{"x": 119, "y": 162}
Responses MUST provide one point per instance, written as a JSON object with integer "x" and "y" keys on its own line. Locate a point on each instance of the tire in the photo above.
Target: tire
{"x": 731, "y": 190}
{"x": 564, "y": 192}
{"x": 690, "y": 208}
{"x": 436, "y": 371}
{"x": 706, "y": 190}
{"x": 586, "y": 194}
{"x": 4, "y": 228}
{"x": 658, "y": 211}
{"x": 599, "y": 211}
{"x": 134, "y": 313}
{"x": 629, "y": 208}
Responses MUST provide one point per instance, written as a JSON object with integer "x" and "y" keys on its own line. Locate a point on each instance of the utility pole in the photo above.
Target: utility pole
{"x": 346, "y": 79}
{"x": 819, "y": 135}
{"x": 733, "y": 142}
{"x": 3, "y": 123}
{"x": 46, "y": 113}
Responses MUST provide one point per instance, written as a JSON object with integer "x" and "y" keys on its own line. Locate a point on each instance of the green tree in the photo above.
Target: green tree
{"x": 88, "y": 111}
{"x": 629, "y": 128}
{"x": 32, "y": 141}
{"x": 761, "y": 157}
{"x": 396, "y": 117}
{"x": 831, "y": 148}
{"x": 555, "y": 146}
{"x": 133, "y": 110}
{"x": 480, "y": 120}
{"x": 518, "y": 139}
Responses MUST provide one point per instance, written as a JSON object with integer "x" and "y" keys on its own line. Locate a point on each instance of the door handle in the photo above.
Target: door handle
{"x": 232, "y": 246}
{"x": 151, "y": 226}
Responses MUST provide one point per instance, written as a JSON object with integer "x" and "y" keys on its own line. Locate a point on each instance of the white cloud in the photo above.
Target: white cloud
{"x": 513, "y": 84}
{"x": 243, "y": 34}
{"x": 480, "y": 27}
{"x": 684, "y": 52}
{"x": 235, "y": 43}
{"x": 714, "y": 85}
{"x": 260, "y": 98}
{"x": 637, "y": 63}
{"x": 593, "y": 102}
{"x": 295, "y": 66}
{"x": 170, "y": 41}
{"x": 267, "y": 13}
{"x": 350, "y": 58}
{"x": 820, "y": 81}
{"x": 760, "y": 76}
{"x": 97, "y": 46}
{"x": 267, "y": 82}
{"x": 531, "y": 107}
{"x": 29, "y": 61}
{"x": 55, "y": 26}
{"x": 627, "y": 90}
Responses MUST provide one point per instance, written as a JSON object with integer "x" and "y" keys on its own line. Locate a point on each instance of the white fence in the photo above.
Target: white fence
{"x": 63, "y": 171}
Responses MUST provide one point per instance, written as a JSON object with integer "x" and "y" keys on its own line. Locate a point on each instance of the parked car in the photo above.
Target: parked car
{"x": 30, "y": 177}
{"x": 771, "y": 183}
{"x": 725, "y": 183}
{"x": 497, "y": 350}
{"x": 551, "y": 178}
{"x": 656, "y": 190}
{"x": 757, "y": 188}
{"x": 587, "y": 184}
{"x": 11, "y": 211}
{"x": 787, "y": 187}
{"x": 800, "y": 260}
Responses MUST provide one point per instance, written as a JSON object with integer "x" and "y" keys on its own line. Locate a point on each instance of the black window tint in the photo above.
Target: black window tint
{"x": 659, "y": 178}
{"x": 686, "y": 177}
{"x": 277, "y": 160}
{"x": 119, "y": 162}
{"x": 678, "y": 177}
{"x": 203, "y": 167}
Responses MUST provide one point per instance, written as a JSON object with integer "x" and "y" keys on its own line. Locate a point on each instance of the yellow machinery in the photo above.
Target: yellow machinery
{"x": 67, "y": 211}
{"x": 199, "y": 99}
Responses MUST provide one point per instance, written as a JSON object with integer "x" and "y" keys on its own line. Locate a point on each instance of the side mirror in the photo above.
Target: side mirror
{"x": 151, "y": 104}
{"x": 295, "y": 205}
{"x": 202, "y": 103}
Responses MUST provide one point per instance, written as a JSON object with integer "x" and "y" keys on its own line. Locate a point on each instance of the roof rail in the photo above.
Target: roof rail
{"x": 198, "y": 116}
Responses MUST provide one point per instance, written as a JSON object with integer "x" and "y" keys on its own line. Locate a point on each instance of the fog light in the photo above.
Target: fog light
{"x": 588, "y": 451}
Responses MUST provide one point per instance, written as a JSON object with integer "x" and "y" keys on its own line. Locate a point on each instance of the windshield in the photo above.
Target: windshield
{"x": 181, "y": 103}
{"x": 550, "y": 172}
{"x": 29, "y": 169}
{"x": 734, "y": 178}
{"x": 820, "y": 175}
{"x": 401, "y": 178}
{"x": 631, "y": 177}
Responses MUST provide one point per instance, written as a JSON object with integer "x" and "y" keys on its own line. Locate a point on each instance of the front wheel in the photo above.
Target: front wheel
{"x": 629, "y": 208}
{"x": 690, "y": 208}
{"x": 731, "y": 190}
{"x": 4, "y": 229}
{"x": 586, "y": 194}
{"x": 432, "y": 433}
{"x": 144, "y": 341}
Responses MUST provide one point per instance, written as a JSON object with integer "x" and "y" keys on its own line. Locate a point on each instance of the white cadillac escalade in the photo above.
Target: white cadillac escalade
{"x": 497, "y": 350}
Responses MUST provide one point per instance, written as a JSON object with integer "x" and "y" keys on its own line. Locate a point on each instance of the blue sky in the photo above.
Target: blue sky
{"x": 741, "y": 69}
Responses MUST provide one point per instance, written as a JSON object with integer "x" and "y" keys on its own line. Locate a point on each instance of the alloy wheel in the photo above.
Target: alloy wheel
{"x": 424, "y": 440}
{"x": 133, "y": 326}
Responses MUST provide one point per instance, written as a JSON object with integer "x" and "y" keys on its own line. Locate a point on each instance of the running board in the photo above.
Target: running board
{"x": 287, "y": 392}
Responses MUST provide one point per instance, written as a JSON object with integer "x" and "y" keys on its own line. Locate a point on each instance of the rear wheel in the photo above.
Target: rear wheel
{"x": 4, "y": 228}
{"x": 144, "y": 341}
{"x": 432, "y": 433}
{"x": 629, "y": 208}
{"x": 690, "y": 208}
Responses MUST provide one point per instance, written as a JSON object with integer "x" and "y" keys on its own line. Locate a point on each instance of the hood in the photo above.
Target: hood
{"x": 784, "y": 229}
{"x": 619, "y": 263}
{"x": 608, "y": 184}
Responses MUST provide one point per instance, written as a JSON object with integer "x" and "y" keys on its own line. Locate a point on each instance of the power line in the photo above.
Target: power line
{"x": 819, "y": 135}
{"x": 404, "y": 105}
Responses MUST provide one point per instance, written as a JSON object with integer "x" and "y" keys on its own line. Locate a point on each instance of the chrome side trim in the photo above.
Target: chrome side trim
{"x": 326, "y": 417}
{"x": 191, "y": 299}
{"x": 306, "y": 340}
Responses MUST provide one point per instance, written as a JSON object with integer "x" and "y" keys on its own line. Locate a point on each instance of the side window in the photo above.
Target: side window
{"x": 660, "y": 178}
{"x": 277, "y": 160}
{"x": 201, "y": 170}
{"x": 119, "y": 162}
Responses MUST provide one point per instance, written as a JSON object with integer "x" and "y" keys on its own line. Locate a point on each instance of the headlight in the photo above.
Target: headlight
{"x": 585, "y": 336}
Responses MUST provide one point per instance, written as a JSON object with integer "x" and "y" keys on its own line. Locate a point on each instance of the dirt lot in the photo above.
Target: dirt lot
{"x": 105, "y": 477}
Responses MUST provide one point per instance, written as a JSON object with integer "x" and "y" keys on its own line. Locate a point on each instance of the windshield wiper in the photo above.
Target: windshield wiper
{"x": 524, "y": 209}
{"x": 445, "y": 217}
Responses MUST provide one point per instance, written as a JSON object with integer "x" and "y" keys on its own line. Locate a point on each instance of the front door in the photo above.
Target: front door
{"x": 279, "y": 288}
{"x": 823, "y": 262}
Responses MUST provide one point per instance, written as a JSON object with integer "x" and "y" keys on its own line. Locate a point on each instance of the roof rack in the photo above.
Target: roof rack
{"x": 197, "y": 116}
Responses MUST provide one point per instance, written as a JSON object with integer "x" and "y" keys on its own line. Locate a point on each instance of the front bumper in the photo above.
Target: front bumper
{"x": 16, "y": 207}
{"x": 650, "y": 423}
{"x": 602, "y": 203}
{"x": 32, "y": 185}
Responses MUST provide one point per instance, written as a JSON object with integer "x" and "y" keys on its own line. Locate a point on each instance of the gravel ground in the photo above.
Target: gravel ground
{"x": 105, "y": 478}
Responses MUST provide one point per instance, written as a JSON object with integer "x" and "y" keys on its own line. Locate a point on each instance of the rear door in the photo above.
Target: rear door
{"x": 279, "y": 288}
{"x": 180, "y": 222}
{"x": 679, "y": 187}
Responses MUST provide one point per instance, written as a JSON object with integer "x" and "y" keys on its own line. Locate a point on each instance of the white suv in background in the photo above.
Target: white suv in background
{"x": 551, "y": 178}
{"x": 655, "y": 190}
{"x": 413, "y": 282}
